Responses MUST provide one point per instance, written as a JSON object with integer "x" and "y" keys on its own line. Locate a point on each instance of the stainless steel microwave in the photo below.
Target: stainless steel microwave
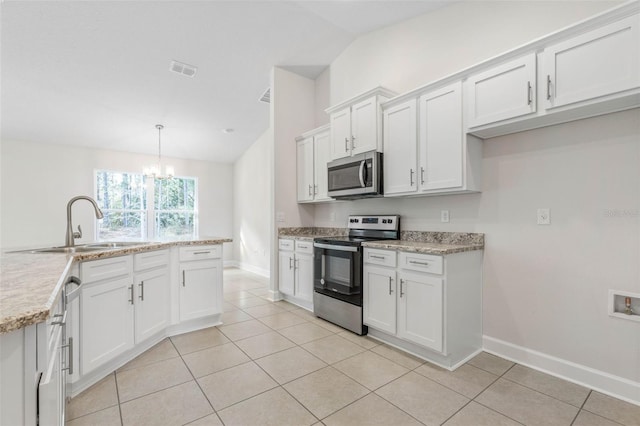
{"x": 356, "y": 177}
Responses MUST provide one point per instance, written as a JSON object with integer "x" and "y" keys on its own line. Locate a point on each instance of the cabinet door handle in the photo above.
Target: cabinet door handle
{"x": 290, "y": 263}
{"x": 62, "y": 321}
{"x": 183, "y": 278}
{"x": 411, "y": 172}
{"x": 529, "y": 99}
{"x": 296, "y": 262}
{"x": 415, "y": 262}
{"x": 70, "y": 354}
{"x": 421, "y": 175}
{"x": 390, "y": 289}
{"x": 548, "y": 87}
{"x": 401, "y": 292}
{"x": 141, "y": 285}
{"x": 353, "y": 142}
{"x": 315, "y": 189}
{"x": 310, "y": 190}
{"x": 131, "y": 294}
{"x": 346, "y": 144}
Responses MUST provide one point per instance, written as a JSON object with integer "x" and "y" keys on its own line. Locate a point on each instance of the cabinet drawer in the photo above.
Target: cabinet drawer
{"x": 150, "y": 259}
{"x": 380, "y": 257}
{"x": 200, "y": 252}
{"x": 285, "y": 244}
{"x": 304, "y": 247}
{"x": 420, "y": 262}
{"x": 97, "y": 270}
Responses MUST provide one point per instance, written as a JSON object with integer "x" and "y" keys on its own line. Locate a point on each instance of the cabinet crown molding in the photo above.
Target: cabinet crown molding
{"x": 313, "y": 132}
{"x": 377, "y": 91}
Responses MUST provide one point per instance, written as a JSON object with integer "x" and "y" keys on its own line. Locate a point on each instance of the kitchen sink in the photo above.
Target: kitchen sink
{"x": 84, "y": 248}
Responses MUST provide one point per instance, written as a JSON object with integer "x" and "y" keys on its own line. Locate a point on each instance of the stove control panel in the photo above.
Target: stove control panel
{"x": 390, "y": 222}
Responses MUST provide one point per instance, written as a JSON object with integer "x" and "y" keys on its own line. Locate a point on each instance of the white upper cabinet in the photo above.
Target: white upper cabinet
{"x": 356, "y": 124}
{"x": 312, "y": 155}
{"x": 400, "y": 148}
{"x": 321, "y": 156}
{"x": 598, "y": 63}
{"x": 425, "y": 149}
{"x": 304, "y": 168}
{"x": 502, "y": 92}
{"x": 364, "y": 126}
{"x": 441, "y": 139}
{"x": 341, "y": 133}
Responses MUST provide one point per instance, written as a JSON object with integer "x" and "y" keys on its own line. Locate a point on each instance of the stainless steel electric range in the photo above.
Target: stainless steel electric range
{"x": 337, "y": 266}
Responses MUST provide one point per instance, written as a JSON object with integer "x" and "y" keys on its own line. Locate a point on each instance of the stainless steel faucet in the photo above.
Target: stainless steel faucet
{"x": 71, "y": 236}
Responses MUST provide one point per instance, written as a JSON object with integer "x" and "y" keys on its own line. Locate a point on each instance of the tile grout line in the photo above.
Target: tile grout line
{"x": 115, "y": 379}
{"x": 196, "y": 382}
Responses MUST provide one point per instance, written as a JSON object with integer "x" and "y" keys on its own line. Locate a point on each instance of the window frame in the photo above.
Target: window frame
{"x": 148, "y": 213}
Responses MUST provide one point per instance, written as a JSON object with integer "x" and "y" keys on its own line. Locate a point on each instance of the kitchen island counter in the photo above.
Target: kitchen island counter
{"x": 30, "y": 282}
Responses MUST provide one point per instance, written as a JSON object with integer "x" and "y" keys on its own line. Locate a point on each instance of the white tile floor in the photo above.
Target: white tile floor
{"x": 276, "y": 364}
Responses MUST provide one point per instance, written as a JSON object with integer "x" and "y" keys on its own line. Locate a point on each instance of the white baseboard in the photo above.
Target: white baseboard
{"x": 618, "y": 387}
{"x": 247, "y": 267}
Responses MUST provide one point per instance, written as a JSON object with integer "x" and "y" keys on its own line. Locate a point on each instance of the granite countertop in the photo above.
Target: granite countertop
{"x": 30, "y": 282}
{"x": 437, "y": 243}
{"x": 309, "y": 233}
{"x": 423, "y": 247}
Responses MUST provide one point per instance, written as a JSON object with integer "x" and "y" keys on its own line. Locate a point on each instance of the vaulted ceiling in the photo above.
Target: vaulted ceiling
{"x": 96, "y": 73}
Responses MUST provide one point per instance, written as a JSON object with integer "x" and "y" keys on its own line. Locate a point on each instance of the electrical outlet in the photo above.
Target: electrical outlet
{"x": 279, "y": 216}
{"x": 544, "y": 217}
{"x": 444, "y": 216}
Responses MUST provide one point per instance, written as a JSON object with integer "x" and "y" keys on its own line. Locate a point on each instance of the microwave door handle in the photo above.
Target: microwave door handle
{"x": 362, "y": 172}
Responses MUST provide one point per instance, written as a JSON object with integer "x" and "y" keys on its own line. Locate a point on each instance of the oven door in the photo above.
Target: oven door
{"x": 338, "y": 272}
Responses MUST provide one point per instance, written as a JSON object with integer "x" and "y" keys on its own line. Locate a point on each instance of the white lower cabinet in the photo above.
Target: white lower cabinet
{"x": 428, "y": 305}
{"x": 295, "y": 261}
{"x": 380, "y": 298}
{"x": 200, "y": 282}
{"x": 107, "y": 319}
{"x": 420, "y": 309}
{"x": 127, "y": 304}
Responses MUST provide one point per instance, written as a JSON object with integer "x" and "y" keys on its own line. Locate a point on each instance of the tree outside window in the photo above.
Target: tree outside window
{"x": 138, "y": 208}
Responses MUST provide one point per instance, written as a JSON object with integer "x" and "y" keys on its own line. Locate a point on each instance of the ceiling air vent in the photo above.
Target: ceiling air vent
{"x": 182, "y": 68}
{"x": 266, "y": 96}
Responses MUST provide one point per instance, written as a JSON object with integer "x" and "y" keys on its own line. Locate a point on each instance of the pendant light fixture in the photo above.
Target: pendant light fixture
{"x": 155, "y": 171}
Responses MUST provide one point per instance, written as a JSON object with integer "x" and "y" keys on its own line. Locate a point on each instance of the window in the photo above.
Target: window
{"x": 139, "y": 208}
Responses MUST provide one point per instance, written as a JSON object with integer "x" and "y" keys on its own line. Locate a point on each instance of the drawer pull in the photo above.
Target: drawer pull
{"x": 302, "y": 247}
{"x": 415, "y": 262}
{"x": 377, "y": 257}
{"x": 201, "y": 252}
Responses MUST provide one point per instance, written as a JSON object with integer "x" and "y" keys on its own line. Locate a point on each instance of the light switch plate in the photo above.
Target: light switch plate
{"x": 444, "y": 216}
{"x": 544, "y": 217}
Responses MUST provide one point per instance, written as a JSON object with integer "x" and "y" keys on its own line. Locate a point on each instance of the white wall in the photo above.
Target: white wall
{"x": 39, "y": 179}
{"x": 251, "y": 204}
{"x": 293, "y": 113}
{"x": 545, "y": 287}
{"x": 322, "y": 97}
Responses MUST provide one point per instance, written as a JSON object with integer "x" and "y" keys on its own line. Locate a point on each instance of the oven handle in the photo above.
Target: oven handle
{"x": 332, "y": 247}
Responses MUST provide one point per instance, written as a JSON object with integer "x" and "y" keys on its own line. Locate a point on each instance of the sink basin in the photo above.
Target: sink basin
{"x": 76, "y": 249}
{"x": 87, "y": 247}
